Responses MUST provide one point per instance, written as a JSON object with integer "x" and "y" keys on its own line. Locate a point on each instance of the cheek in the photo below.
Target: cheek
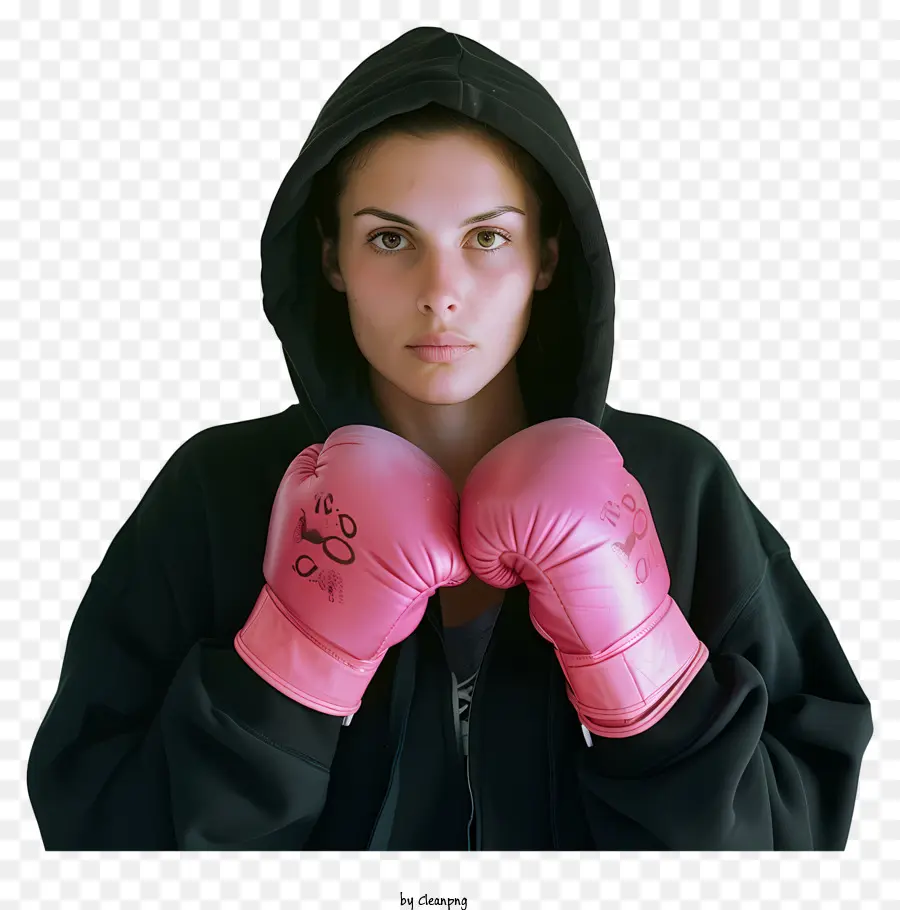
{"x": 376, "y": 325}
{"x": 509, "y": 310}
{"x": 513, "y": 282}
{"x": 375, "y": 292}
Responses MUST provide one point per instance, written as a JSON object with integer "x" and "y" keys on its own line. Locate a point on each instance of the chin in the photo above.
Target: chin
{"x": 441, "y": 389}
{"x": 443, "y": 396}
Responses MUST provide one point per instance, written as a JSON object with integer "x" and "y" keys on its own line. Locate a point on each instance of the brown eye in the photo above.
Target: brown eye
{"x": 389, "y": 252}
{"x": 390, "y": 234}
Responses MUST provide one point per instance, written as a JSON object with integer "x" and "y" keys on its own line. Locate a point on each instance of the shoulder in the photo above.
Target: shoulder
{"x": 649, "y": 442}
{"x": 689, "y": 482}
{"x": 241, "y": 463}
{"x": 244, "y": 448}
{"x": 717, "y": 543}
{"x": 284, "y": 428}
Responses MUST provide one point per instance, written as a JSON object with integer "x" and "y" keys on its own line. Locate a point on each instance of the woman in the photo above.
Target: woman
{"x": 283, "y": 645}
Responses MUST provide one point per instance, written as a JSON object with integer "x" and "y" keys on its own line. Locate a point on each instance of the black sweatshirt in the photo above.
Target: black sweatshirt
{"x": 161, "y": 737}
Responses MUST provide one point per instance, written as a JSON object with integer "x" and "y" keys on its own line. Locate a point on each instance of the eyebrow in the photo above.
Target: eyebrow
{"x": 484, "y": 216}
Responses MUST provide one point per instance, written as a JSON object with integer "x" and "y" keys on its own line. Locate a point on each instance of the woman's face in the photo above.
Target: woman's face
{"x": 442, "y": 275}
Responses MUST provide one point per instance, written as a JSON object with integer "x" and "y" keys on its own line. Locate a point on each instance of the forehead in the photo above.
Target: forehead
{"x": 457, "y": 170}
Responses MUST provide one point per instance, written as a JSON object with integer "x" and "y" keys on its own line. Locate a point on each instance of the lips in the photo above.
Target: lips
{"x": 440, "y": 353}
{"x": 440, "y": 339}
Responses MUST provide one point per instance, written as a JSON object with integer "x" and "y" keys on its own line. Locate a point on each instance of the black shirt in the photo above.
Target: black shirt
{"x": 464, "y": 646}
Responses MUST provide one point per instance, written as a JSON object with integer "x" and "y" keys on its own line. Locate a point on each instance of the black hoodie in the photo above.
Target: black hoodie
{"x": 161, "y": 737}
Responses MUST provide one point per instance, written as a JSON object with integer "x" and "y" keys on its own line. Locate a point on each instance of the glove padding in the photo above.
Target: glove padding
{"x": 363, "y": 530}
{"x": 554, "y": 507}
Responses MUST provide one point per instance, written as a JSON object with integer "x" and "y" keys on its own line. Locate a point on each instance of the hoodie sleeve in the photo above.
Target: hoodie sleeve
{"x": 763, "y": 749}
{"x": 158, "y": 737}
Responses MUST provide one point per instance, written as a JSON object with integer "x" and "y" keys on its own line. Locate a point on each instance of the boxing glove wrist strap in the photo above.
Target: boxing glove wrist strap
{"x": 300, "y": 664}
{"x": 631, "y": 685}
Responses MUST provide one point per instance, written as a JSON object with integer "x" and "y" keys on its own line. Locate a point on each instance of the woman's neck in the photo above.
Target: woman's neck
{"x": 457, "y": 436}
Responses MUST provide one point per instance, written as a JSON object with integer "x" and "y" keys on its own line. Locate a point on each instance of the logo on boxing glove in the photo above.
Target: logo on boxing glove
{"x": 333, "y": 546}
{"x": 639, "y": 523}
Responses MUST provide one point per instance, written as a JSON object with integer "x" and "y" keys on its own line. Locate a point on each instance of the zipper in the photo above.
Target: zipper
{"x": 469, "y": 762}
{"x": 455, "y": 709}
{"x": 472, "y": 826}
{"x": 456, "y": 726}
{"x": 468, "y": 759}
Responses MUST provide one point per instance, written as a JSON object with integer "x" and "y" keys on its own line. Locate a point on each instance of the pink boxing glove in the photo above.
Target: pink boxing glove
{"x": 363, "y": 530}
{"x": 554, "y": 507}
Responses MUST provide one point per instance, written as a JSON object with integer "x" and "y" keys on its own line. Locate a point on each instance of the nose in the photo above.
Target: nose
{"x": 442, "y": 280}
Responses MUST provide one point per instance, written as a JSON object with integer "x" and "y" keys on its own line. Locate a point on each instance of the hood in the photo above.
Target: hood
{"x": 565, "y": 359}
